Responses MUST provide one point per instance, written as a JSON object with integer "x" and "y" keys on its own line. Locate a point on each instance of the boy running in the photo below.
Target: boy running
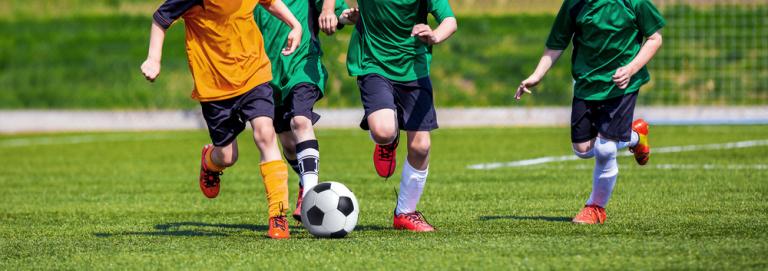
{"x": 299, "y": 80}
{"x": 231, "y": 73}
{"x": 390, "y": 53}
{"x": 613, "y": 40}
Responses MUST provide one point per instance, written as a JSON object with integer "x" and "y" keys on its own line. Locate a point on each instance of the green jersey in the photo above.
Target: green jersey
{"x": 382, "y": 43}
{"x": 305, "y": 64}
{"x": 607, "y": 34}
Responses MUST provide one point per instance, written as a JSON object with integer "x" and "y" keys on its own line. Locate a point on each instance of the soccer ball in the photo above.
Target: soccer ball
{"x": 329, "y": 210}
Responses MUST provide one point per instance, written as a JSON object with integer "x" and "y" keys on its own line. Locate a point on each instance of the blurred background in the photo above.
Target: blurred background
{"x": 77, "y": 54}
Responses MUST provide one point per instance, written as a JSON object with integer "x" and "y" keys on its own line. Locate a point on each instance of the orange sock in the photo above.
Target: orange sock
{"x": 209, "y": 162}
{"x": 275, "y": 177}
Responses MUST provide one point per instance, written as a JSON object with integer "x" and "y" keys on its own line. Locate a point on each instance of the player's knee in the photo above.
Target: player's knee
{"x": 301, "y": 124}
{"x": 228, "y": 160}
{"x": 226, "y": 157}
{"x": 263, "y": 134}
{"x": 419, "y": 147}
{"x": 605, "y": 149}
{"x": 383, "y": 134}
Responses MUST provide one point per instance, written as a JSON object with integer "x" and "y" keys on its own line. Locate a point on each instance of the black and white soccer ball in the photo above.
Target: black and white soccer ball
{"x": 329, "y": 210}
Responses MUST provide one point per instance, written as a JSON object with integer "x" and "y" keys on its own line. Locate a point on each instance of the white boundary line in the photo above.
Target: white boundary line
{"x": 671, "y": 149}
{"x": 66, "y": 140}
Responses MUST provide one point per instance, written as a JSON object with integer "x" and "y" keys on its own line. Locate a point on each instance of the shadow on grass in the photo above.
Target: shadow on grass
{"x": 515, "y": 217}
{"x": 209, "y": 229}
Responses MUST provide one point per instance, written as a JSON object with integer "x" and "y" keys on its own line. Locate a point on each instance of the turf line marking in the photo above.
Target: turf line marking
{"x": 37, "y": 141}
{"x": 671, "y": 149}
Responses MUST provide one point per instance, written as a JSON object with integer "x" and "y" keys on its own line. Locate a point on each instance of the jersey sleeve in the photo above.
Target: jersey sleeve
{"x": 171, "y": 10}
{"x": 441, "y": 9}
{"x": 649, "y": 19}
{"x": 562, "y": 30}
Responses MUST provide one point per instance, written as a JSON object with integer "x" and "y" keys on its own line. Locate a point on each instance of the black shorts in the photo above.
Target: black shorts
{"x": 227, "y": 118}
{"x": 611, "y": 118}
{"x": 299, "y": 102}
{"x": 412, "y": 101}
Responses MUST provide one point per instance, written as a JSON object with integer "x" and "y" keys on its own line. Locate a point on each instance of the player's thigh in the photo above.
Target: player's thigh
{"x": 615, "y": 117}
{"x": 377, "y": 96}
{"x": 301, "y": 102}
{"x": 583, "y": 130}
{"x": 416, "y": 105}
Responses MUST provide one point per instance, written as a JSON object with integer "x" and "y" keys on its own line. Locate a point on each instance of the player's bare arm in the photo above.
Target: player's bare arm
{"x": 151, "y": 67}
{"x": 547, "y": 60}
{"x": 429, "y": 36}
{"x": 328, "y": 20}
{"x": 349, "y": 16}
{"x": 281, "y": 11}
{"x": 649, "y": 49}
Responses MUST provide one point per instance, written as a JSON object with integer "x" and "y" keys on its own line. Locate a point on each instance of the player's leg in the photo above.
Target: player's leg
{"x": 377, "y": 95}
{"x": 223, "y": 128}
{"x": 258, "y": 108}
{"x": 282, "y": 124}
{"x": 301, "y": 102}
{"x": 419, "y": 118}
{"x": 613, "y": 120}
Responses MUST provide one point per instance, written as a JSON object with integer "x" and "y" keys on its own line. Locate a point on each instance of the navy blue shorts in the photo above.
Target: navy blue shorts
{"x": 226, "y": 118}
{"x": 299, "y": 102}
{"x": 412, "y": 101}
{"x": 611, "y": 118}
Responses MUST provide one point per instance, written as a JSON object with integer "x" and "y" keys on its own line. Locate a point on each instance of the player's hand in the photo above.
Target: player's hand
{"x": 350, "y": 16}
{"x": 294, "y": 38}
{"x": 525, "y": 86}
{"x": 424, "y": 33}
{"x": 328, "y": 21}
{"x": 150, "y": 69}
{"x": 623, "y": 76}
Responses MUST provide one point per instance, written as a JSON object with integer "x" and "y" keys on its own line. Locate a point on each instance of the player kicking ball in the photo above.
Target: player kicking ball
{"x": 390, "y": 53}
{"x": 299, "y": 81}
{"x": 231, "y": 73}
{"x": 612, "y": 43}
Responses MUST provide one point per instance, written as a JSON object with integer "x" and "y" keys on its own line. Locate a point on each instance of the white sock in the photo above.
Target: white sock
{"x": 632, "y": 141}
{"x": 606, "y": 171}
{"x": 308, "y": 155}
{"x": 411, "y": 187}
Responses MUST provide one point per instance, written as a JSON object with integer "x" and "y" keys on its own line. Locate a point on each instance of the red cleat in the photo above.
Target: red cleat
{"x": 384, "y": 158}
{"x": 591, "y": 214}
{"x": 642, "y": 150}
{"x": 297, "y": 212}
{"x": 413, "y": 222}
{"x": 278, "y": 228}
{"x": 209, "y": 180}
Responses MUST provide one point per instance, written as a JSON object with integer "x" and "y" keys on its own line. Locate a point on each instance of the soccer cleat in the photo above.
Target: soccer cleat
{"x": 412, "y": 221}
{"x": 591, "y": 214}
{"x": 642, "y": 150}
{"x": 209, "y": 180}
{"x": 278, "y": 228}
{"x": 384, "y": 158}
{"x": 297, "y": 212}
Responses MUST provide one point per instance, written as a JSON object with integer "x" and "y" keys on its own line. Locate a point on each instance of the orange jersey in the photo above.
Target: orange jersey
{"x": 225, "y": 48}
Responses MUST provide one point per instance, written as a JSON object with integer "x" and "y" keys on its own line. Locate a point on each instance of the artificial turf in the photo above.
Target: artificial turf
{"x": 131, "y": 201}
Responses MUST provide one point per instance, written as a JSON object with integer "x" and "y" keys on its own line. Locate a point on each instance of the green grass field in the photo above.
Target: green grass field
{"x": 131, "y": 201}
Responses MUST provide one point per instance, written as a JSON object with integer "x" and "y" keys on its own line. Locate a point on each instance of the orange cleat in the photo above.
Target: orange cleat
{"x": 278, "y": 228}
{"x": 642, "y": 150}
{"x": 413, "y": 222}
{"x": 591, "y": 214}
{"x": 384, "y": 158}
{"x": 209, "y": 180}
{"x": 297, "y": 212}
